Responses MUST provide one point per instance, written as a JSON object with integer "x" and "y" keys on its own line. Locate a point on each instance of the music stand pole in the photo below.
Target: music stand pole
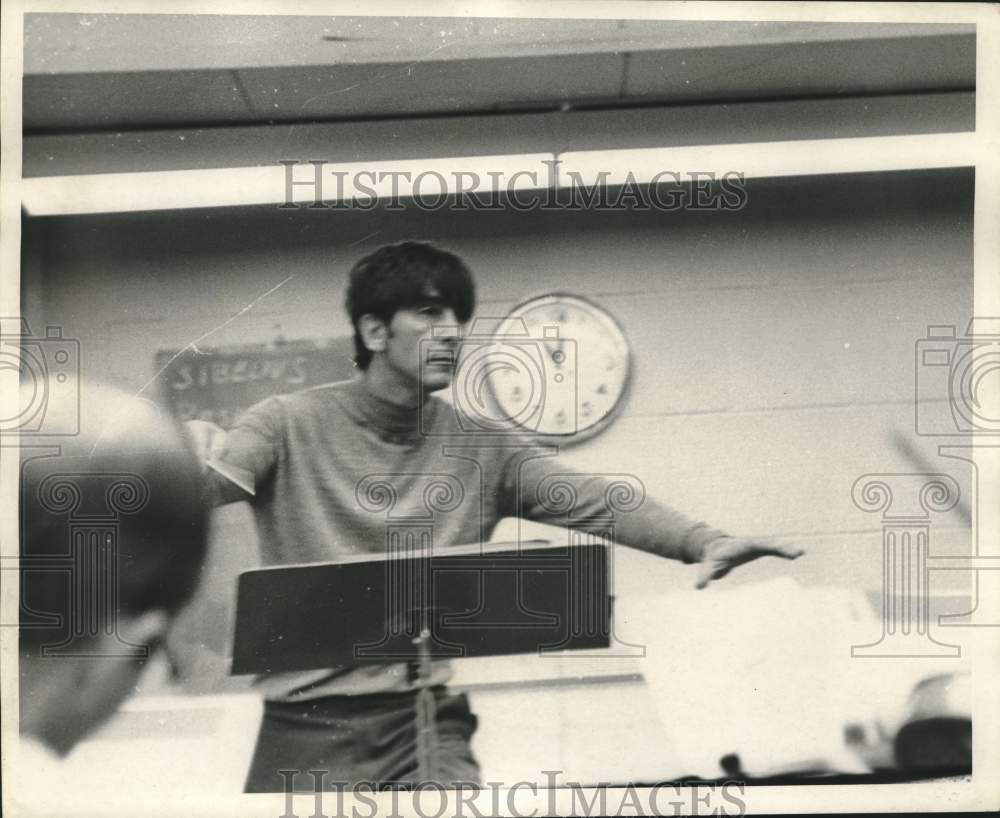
{"x": 426, "y": 721}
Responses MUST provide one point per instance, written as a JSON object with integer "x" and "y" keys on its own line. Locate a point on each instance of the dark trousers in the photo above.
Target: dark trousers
{"x": 357, "y": 739}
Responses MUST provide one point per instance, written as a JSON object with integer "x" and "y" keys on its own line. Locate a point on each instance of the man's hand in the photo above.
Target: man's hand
{"x": 207, "y": 438}
{"x": 724, "y": 554}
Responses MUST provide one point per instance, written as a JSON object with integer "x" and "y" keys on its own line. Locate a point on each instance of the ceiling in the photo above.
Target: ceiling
{"x": 108, "y": 72}
{"x": 85, "y": 43}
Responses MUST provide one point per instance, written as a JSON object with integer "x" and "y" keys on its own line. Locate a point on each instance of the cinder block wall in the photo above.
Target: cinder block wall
{"x": 774, "y": 347}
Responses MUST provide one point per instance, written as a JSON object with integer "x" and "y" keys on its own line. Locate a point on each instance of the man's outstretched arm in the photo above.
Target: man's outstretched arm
{"x": 543, "y": 492}
{"x": 235, "y": 462}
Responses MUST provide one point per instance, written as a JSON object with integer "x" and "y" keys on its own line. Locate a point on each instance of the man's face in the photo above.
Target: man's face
{"x": 98, "y": 684}
{"x": 422, "y": 344}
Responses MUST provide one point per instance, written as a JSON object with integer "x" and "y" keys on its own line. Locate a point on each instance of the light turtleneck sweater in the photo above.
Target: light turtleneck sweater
{"x": 332, "y": 463}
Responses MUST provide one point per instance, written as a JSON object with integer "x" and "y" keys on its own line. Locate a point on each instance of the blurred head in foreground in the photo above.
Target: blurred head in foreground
{"x": 113, "y": 537}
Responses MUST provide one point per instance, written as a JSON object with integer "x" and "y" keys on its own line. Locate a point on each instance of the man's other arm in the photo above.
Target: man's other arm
{"x": 543, "y": 492}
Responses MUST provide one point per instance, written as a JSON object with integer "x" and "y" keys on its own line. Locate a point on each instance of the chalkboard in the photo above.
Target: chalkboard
{"x": 218, "y": 384}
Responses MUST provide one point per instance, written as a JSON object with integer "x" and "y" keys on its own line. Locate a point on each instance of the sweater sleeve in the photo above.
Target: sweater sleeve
{"x": 613, "y": 506}
{"x": 251, "y": 446}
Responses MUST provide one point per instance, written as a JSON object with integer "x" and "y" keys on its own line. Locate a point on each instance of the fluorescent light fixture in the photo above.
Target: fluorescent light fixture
{"x": 282, "y": 184}
{"x": 805, "y": 157}
{"x": 483, "y": 175}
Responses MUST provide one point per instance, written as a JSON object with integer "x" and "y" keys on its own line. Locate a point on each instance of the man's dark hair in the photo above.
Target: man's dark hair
{"x": 398, "y": 276}
{"x": 118, "y": 508}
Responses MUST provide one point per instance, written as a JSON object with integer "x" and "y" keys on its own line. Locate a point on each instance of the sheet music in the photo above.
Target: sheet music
{"x": 776, "y": 680}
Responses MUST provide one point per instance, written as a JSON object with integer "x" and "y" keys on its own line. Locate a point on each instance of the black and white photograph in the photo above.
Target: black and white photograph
{"x": 588, "y": 408}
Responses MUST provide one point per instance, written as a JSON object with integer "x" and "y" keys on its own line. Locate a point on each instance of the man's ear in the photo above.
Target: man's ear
{"x": 90, "y": 688}
{"x": 148, "y": 628}
{"x": 374, "y": 332}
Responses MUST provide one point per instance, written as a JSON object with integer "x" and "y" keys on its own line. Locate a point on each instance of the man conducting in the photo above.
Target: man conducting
{"x": 308, "y": 455}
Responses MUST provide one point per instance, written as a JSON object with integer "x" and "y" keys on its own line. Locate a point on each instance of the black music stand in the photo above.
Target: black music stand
{"x": 414, "y": 607}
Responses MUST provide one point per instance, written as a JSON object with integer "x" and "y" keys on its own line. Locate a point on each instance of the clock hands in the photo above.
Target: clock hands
{"x": 557, "y": 355}
{"x": 584, "y": 360}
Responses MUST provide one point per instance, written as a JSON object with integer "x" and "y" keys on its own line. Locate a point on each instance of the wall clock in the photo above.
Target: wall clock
{"x": 573, "y": 370}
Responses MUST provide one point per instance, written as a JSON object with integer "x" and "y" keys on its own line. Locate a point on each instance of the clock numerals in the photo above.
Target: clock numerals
{"x": 584, "y": 359}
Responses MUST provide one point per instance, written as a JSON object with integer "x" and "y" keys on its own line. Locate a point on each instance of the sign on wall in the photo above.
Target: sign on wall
{"x": 218, "y": 384}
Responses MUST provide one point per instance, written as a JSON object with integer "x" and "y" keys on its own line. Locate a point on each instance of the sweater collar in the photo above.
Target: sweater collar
{"x": 388, "y": 419}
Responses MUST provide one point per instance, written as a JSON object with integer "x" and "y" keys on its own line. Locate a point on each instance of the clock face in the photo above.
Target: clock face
{"x": 574, "y": 367}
